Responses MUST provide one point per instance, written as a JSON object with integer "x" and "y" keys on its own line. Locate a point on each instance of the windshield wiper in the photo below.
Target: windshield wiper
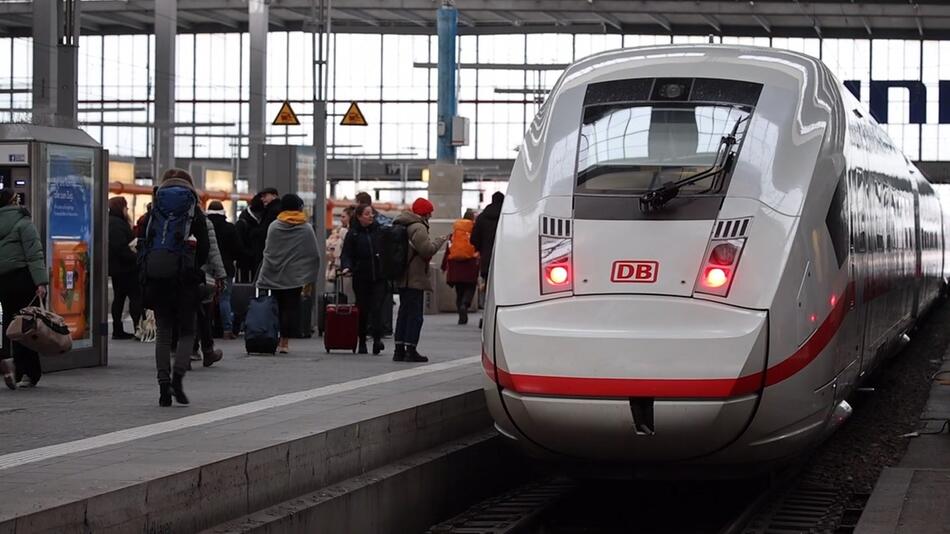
{"x": 656, "y": 198}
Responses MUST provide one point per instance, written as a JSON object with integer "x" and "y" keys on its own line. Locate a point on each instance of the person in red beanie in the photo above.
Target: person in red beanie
{"x": 415, "y": 283}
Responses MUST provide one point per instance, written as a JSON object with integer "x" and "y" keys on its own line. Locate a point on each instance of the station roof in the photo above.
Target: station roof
{"x": 858, "y": 19}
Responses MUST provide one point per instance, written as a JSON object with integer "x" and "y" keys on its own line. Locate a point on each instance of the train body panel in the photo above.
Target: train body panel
{"x": 704, "y": 249}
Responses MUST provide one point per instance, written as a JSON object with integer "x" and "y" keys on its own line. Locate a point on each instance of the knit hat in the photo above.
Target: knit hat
{"x": 291, "y": 202}
{"x": 180, "y": 174}
{"x": 215, "y": 207}
{"x": 422, "y": 207}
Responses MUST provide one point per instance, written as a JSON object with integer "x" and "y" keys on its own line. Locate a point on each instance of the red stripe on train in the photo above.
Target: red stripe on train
{"x": 677, "y": 387}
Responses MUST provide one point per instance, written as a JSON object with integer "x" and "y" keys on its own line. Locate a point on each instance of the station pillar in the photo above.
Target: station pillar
{"x": 166, "y": 28}
{"x": 257, "y": 11}
{"x": 445, "y": 176}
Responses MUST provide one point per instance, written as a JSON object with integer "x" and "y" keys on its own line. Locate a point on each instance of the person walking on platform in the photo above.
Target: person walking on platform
{"x": 483, "y": 235}
{"x": 173, "y": 250}
{"x": 251, "y": 235}
{"x": 230, "y": 248}
{"x": 291, "y": 260}
{"x": 335, "y": 242}
{"x": 386, "y": 308}
{"x": 215, "y": 275}
{"x": 415, "y": 283}
{"x": 361, "y": 258}
{"x": 460, "y": 264}
{"x": 23, "y": 278}
{"x": 123, "y": 268}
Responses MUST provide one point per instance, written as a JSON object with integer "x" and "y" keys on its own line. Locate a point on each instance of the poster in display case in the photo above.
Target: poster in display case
{"x": 69, "y": 229}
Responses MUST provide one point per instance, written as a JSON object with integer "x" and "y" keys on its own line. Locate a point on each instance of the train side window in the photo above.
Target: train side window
{"x": 837, "y": 221}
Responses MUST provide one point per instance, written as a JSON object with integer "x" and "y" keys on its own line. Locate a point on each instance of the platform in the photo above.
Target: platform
{"x": 90, "y": 449}
{"x": 914, "y": 496}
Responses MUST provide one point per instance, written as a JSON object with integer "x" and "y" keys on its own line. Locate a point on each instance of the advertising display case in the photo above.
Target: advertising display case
{"x": 60, "y": 176}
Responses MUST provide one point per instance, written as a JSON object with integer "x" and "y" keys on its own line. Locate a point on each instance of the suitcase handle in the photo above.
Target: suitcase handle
{"x": 344, "y": 310}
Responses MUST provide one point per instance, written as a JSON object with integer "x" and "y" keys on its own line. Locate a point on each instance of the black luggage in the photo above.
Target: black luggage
{"x": 306, "y": 316}
{"x": 262, "y": 326}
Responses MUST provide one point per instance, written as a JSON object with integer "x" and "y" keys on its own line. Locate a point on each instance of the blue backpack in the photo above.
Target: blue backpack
{"x": 166, "y": 253}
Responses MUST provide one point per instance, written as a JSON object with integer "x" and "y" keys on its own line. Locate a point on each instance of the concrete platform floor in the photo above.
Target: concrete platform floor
{"x": 80, "y": 403}
{"x": 914, "y": 496}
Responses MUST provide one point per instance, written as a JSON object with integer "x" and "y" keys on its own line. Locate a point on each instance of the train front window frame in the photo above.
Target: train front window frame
{"x": 635, "y": 140}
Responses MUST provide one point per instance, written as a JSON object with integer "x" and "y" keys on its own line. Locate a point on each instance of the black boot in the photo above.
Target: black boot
{"x": 412, "y": 355}
{"x": 164, "y": 394}
{"x": 362, "y": 348}
{"x": 400, "y": 353}
{"x": 177, "y": 389}
{"x": 378, "y": 346}
{"x": 463, "y": 316}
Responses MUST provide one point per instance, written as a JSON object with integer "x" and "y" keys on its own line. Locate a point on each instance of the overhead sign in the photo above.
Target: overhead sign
{"x": 286, "y": 116}
{"x": 353, "y": 116}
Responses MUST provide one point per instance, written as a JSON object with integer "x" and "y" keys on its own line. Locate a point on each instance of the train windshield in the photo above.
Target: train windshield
{"x": 635, "y": 147}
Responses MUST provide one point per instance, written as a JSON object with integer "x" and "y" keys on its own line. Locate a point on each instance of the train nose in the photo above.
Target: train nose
{"x": 630, "y": 377}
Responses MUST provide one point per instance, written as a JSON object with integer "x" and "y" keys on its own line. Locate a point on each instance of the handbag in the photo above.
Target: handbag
{"x": 40, "y": 330}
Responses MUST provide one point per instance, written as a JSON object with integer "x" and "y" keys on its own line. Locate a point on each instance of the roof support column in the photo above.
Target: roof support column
{"x": 166, "y": 29}
{"x": 447, "y": 27}
{"x": 257, "y": 11}
{"x": 68, "y": 69}
{"x": 45, "y": 54}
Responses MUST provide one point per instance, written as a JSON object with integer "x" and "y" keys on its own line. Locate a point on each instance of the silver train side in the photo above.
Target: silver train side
{"x": 840, "y": 244}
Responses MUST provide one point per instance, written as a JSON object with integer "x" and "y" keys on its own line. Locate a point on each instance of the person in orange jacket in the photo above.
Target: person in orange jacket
{"x": 460, "y": 264}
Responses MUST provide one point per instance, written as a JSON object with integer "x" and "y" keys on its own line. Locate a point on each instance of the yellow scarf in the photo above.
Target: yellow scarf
{"x": 292, "y": 217}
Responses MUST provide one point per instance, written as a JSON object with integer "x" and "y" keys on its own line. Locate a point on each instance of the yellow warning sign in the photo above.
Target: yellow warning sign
{"x": 286, "y": 116}
{"x": 353, "y": 116}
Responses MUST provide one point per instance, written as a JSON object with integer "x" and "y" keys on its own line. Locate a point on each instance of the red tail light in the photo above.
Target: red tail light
{"x": 716, "y": 277}
{"x": 556, "y": 249}
{"x": 719, "y": 266}
{"x": 558, "y": 274}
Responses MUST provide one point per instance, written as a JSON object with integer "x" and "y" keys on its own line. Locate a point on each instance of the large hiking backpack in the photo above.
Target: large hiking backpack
{"x": 461, "y": 246}
{"x": 166, "y": 254}
{"x": 394, "y": 257}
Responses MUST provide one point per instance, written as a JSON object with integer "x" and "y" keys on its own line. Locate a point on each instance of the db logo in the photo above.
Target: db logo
{"x": 634, "y": 272}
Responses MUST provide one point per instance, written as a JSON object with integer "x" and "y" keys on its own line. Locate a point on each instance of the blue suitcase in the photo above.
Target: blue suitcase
{"x": 261, "y": 326}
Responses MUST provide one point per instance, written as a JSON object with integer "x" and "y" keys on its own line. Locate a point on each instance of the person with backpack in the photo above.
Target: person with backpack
{"x": 23, "y": 278}
{"x": 291, "y": 260}
{"x": 123, "y": 268}
{"x": 361, "y": 258}
{"x": 415, "y": 280}
{"x": 460, "y": 264}
{"x": 172, "y": 251}
{"x": 251, "y": 235}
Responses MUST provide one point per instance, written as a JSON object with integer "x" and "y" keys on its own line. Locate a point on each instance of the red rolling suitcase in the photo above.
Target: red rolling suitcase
{"x": 342, "y": 326}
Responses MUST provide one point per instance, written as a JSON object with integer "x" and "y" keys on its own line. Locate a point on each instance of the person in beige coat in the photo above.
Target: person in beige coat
{"x": 412, "y": 288}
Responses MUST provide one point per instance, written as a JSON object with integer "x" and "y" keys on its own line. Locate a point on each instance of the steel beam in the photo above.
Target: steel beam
{"x": 766, "y": 25}
{"x": 45, "y": 61}
{"x": 714, "y": 22}
{"x": 258, "y": 23}
{"x": 609, "y": 19}
{"x": 447, "y": 25}
{"x": 661, "y": 20}
{"x": 166, "y": 29}
{"x": 410, "y": 16}
{"x": 67, "y": 98}
{"x": 359, "y": 15}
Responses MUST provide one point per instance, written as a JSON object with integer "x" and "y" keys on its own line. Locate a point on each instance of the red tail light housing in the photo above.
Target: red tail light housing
{"x": 556, "y": 248}
{"x": 719, "y": 266}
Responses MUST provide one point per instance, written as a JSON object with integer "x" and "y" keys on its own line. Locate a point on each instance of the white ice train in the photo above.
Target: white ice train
{"x": 703, "y": 250}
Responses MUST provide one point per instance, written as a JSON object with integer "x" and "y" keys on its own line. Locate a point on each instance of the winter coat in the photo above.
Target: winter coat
{"x": 214, "y": 267}
{"x": 228, "y": 243}
{"x": 251, "y": 236}
{"x": 361, "y": 249}
{"x": 121, "y": 258}
{"x": 161, "y": 293}
{"x": 20, "y": 245}
{"x": 421, "y": 250}
{"x": 459, "y": 271}
{"x": 483, "y": 236}
{"x": 334, "y": 251}
{"x": 291, "y": 258}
